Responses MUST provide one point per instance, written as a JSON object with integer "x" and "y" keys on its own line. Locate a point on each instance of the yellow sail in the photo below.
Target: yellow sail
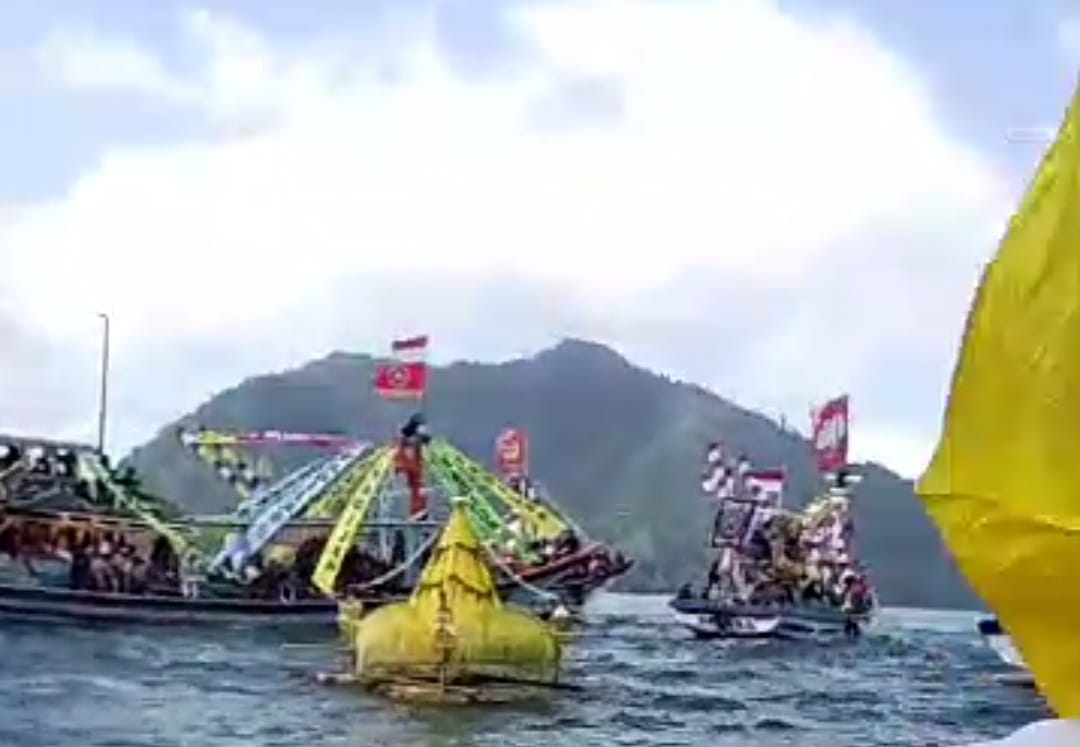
{"x": 1004, "y": 483}
{"x": 454, "y": 625}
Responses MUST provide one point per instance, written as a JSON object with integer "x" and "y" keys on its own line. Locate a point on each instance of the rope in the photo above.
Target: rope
{"x": 542, "y": 593}
{"x": 407, "y": 563}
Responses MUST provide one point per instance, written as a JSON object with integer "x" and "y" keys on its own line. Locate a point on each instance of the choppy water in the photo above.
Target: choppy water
{"x": 921, "y": 678}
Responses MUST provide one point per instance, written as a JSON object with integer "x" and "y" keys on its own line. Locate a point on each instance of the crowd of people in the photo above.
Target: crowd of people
{"x": 94, "y": 558}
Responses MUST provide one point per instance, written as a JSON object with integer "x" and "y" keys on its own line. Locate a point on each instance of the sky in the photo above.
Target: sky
{"x": 781, "y": 200}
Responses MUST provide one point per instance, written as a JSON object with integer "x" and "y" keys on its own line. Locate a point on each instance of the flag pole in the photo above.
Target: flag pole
{"x": 103, "y": 400}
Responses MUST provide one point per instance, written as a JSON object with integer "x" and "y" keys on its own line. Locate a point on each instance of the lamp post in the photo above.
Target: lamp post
{"x": 103, "y": 402}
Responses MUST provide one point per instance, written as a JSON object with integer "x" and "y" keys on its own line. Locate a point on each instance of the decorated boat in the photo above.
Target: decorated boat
{"x": 777, "y": 572}
{"x": 83, "y": 540}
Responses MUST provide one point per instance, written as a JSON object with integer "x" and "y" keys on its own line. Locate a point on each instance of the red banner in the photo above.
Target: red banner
{"x": 512, "y": 453}
{"x": 830, "y": 435}
{"x": 401, "y": 380}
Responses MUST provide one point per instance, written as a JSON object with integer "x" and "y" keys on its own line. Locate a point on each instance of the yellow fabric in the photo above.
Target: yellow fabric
{"x": 352, "y": 518}
{"x": 333, "y": 501}
{"x": 1003, "y": 485}
{"x": 456, "y": 592}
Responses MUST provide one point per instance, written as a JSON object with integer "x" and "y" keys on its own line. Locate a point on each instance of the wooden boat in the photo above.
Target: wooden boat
{"x": 998, "y": 640}
{"x": 44, "y": 604}
{"x": 709, "y": 618}
{"x": 55, "y": 603}
{"x": 778, "y": 573}
{"x": 68, "y": 492}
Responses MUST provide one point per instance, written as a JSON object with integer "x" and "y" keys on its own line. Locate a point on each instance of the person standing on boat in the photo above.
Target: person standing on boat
{"x": 409, "y": 462}
{"x": 191, "y": 574}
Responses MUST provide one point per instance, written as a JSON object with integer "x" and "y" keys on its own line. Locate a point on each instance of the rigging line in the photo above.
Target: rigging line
{"x": 486, "y": 520}
{"x": 404, "y": 565}
{"x": 545, "y": 521}
{"x": 542, "y": 593}
{"x": 439, "y": 459}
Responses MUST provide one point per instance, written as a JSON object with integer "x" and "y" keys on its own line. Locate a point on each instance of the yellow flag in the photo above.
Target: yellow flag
{"x": 1004, "y": 483}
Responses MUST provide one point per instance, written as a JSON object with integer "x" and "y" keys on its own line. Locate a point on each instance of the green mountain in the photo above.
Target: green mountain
{"x": 617, "y": 446}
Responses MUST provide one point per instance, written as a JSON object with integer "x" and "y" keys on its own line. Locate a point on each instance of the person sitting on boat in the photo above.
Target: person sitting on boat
{"x": 858, "y": 597}
{"x": 713, "y": 579}
{"x": 120, "y": 565}
{"x": 599, "y": 564}
{"x": 566, "y": 543}
{"x": 163, "y": 570}
{"x": 79, "y": 573}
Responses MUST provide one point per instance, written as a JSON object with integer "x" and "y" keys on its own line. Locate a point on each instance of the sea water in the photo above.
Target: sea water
{"x": 918, "y": 678}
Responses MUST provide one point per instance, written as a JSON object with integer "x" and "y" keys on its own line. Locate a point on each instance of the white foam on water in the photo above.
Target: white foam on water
{"x": 1049, "y": 733}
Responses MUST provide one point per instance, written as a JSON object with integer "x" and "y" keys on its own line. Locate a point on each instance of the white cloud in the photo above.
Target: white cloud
{"x": 768, "y": 190}
{"x": 81, "y": 59}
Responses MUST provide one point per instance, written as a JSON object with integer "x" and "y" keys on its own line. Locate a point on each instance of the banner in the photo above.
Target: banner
{"x": 512, "y": 453}
{"x": 829, "y": 436}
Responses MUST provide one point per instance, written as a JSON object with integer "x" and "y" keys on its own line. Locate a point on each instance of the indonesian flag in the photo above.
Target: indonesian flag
{"x": 766, "y": 483}
{"x": 404, "y": 377}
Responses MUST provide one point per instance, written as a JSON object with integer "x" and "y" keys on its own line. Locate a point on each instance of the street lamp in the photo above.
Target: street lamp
{"x": 103, "y": 402}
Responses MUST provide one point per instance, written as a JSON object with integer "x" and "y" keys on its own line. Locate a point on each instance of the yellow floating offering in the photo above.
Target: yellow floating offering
{"x": 1003, "y": 486}
{"x": 454, "y": 630}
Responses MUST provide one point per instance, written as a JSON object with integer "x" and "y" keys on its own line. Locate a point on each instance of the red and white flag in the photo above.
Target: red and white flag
{"x": 766, "y": 483}
{"x": 405, "y": 376}
{"x": 829, "y": 435}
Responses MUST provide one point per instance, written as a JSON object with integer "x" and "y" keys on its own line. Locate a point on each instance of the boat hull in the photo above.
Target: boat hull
{"x": 45, "y": 603}
{"x": 712, "y": 619}
{"x": 999, "y": 642}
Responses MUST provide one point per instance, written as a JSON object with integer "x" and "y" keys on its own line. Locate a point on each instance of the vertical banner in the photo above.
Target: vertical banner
{"x": 829, "y": 425}
{"x": 512, "y": 454}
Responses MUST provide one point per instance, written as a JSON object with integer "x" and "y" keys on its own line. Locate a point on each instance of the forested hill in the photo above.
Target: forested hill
{"x": 618, "y": 447}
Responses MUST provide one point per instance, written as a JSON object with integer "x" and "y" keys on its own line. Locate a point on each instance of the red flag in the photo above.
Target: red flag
{"x": 512, "y": 453}
{"x": 405, "y": 377}
{"x": 830, "y": 435}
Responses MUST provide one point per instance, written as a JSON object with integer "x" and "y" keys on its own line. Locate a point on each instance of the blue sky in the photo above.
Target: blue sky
{"x": 125, "y": 112}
